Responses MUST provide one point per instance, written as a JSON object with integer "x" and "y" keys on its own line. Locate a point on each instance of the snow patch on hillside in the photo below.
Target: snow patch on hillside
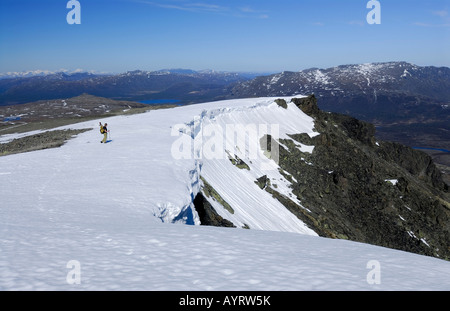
{"x": 252, "y": 206}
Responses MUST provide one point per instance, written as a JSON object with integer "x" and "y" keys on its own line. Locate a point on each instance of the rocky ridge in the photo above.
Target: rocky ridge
{"x": 407, "y": 103}
{"x": 353, "y": 186}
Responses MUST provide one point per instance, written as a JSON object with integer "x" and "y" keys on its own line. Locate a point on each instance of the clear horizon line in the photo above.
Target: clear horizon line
{"x": 99, "y": 72}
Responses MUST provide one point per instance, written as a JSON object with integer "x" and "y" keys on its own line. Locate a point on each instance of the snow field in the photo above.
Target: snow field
{"x": 110, "y": 209}
{"x": 139, "y": 256}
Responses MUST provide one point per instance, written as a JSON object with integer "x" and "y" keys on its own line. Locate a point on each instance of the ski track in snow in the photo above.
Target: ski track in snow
{"x": 110, "y": 208}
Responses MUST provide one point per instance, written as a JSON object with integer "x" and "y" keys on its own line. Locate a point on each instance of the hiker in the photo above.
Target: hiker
{"x": 104, "y": 131}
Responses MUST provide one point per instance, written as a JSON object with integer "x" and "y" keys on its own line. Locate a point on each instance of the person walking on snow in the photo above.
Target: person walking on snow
{"x": 104, "y": 131}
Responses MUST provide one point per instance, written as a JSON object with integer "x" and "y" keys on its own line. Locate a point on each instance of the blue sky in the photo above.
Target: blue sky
{"x": 227, "y": 35}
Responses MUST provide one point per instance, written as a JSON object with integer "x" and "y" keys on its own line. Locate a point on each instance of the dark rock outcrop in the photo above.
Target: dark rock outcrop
{"x": 207, "y": 214}
{"x": 45, "y": 140}
{"x": 356, "y": 188}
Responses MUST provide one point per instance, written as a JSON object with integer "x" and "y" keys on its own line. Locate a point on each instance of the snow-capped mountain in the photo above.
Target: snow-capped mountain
{"x": 408, "y": 103}
{"x": 347, "y": 80}
{"x": 24, "y": 74}
{"x": 41, "y": 73}
{"x": 381, "y": 93}
{"x": 113, "y": 216}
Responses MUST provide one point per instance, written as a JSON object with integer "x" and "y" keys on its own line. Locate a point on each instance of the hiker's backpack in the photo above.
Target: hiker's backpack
{"x": 102, "y": 130}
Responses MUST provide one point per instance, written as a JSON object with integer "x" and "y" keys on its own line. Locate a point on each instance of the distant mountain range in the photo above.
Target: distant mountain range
{"x": 407, "y": 103}
{"x": 186, "y": 85}
{"x": 360, "y": 89}
{"x": 40, "y": 73}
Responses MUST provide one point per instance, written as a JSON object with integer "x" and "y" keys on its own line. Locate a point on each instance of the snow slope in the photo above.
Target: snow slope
{"x": 224, "y": 133}
{"x": 109, "y": 211}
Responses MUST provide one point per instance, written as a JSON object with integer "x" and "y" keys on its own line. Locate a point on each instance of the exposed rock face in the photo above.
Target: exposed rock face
{"x": 354, "y": 187}
{"x": 374, "y": 192}
{"x": 208, "y": 216}
{"x": 45, "y": 140}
